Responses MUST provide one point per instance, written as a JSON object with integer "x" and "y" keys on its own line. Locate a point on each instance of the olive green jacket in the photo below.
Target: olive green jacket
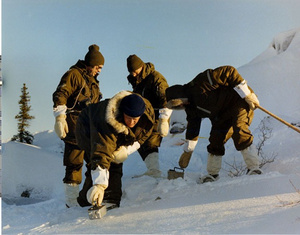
{"x": 101, "y": 129}
{"x": 211, "y": 95}
{"x": 76, "y": 90}
{"x": 151, "y": 85}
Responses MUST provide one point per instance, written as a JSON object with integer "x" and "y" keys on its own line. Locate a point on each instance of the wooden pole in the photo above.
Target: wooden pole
{"x": 279, "y": 119}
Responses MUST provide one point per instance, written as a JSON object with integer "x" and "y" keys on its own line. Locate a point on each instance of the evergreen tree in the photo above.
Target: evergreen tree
{"x": 23, "y": 118}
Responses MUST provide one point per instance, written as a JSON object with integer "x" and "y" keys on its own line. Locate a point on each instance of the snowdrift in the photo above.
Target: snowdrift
{"x": 274, "y": 76}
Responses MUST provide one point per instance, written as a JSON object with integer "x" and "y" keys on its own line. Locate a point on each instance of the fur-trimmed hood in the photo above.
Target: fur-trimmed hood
{"x": 113, "y": 111}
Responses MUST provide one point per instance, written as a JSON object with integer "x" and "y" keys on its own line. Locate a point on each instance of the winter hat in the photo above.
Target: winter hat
{"x": 94, "y": 56}
{"x": 134, "y": 63}
{"x": 132, "y": 105}
{"x": 176, "y": 97}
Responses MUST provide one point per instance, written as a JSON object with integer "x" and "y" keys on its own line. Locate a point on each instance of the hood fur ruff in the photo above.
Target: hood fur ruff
{"x": 113, "y": 111}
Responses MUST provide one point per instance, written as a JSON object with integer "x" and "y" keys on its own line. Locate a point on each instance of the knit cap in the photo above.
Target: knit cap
{"x": 134, "y": 63}
{"x": 132, "y": 105}
{"x": 94, "y": 56}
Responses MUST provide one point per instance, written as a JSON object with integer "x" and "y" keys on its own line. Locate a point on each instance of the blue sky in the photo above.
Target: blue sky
{"x": 41, "y": 39}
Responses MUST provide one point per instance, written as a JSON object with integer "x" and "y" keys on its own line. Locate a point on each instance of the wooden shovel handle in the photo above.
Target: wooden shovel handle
{"x": 279, "y": 119}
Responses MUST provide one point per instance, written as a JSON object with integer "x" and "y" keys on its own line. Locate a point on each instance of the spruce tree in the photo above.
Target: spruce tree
{"x": 23, "y": 118}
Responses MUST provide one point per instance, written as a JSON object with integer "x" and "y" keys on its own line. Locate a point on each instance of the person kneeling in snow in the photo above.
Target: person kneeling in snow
{"x": 109, "y": 131}
{"x": 223, "y": 96}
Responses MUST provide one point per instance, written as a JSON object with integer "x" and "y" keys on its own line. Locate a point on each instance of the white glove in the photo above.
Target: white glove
{"x": 100, "y": 178}
{"x": 61, "y": 126}
{"x": 120, "y": 155}
{"x": 252, "y": 100}
{"x": 163, "y": 124}
{"x": 243, "y": 90}
{"x": 132, "y": 148}
{"x": 95, "y": 194}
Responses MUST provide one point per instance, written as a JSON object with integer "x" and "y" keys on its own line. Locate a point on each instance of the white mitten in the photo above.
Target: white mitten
{"x": 132, "y": 148}
{"x": 120, "y": 155}
{"x": 252, "y": 100}
{"x": 95, "y": 194}
{"x": 61, "y": 126}
{"x": 244, "y": 92}
{"x": 100, "y": 178}
{"x": 163, "y": 124}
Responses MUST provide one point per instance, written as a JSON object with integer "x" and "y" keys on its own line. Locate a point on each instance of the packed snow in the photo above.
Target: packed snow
{"x": 235, "y": 204}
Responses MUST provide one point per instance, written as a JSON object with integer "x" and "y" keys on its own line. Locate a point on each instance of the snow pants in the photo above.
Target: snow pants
{"x": 73, "y": 161}
{"x": 112, "y": 194}
{"x": 234, "y": 125}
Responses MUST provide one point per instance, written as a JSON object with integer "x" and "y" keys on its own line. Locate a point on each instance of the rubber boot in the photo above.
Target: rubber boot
{"x": 251, "y": 159}
{"x": 152, "y": 165}
{"x": 71, "y": 193}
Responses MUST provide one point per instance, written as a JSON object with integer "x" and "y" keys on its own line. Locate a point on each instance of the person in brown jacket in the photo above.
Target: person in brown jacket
{"x": 109, "y": 131}
{"x": 223, "y": 96}
{"x": 77, "y": 89}
{"x": 151, "y": 84}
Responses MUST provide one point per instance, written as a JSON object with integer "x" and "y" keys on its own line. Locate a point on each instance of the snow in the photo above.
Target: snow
{"x": 264, "y": 204}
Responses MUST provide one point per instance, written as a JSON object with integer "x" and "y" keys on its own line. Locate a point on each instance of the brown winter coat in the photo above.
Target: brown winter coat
{"x": 211, "y": 95}
{"x": 76, "y": 90}
{"x": 151, "y": 85}
{"x": 101, "y": 130}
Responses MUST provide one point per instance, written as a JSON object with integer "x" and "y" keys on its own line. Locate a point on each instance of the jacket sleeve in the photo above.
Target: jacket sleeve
{"x": 102, "y": 148}
{"x": 161, "y": 85}
{"x": 212, "y": 79}
{"x": 69, "y": 83}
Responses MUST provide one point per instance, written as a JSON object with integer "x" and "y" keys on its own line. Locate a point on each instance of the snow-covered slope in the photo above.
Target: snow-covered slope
{"x": 268, "y": 203}
{"x": 274, "y": 76}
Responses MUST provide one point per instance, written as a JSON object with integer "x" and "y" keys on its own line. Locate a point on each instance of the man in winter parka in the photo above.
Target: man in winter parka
{"x": 109, "y": 131}
{"x": 150, "y": 84}
{"x": 77, "y": 89}
{"x": 223, "y": 96}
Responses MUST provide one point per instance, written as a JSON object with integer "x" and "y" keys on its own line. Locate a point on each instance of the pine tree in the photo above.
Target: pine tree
{"x": 23, "y": 118}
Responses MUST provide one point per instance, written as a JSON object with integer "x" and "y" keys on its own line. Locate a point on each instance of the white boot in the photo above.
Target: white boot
{"x": 214, "y": 164}
{"x": 251, "y": 159}
{"x": 71, "y": 193}
{"x": 152, "y": 165}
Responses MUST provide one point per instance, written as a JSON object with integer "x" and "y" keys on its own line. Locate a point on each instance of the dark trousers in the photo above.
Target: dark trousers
{"x": 150, "y": 145}
{"x": 73, "y": 161}
{"x": 235, "y": 127}
{"x": 112, "y": 194}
